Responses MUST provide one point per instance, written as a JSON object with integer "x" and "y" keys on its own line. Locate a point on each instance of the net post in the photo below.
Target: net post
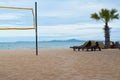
{"x": 36, "y": 30}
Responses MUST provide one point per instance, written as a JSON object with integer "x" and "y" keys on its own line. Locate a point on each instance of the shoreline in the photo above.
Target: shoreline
{"x": 56, "y": 49}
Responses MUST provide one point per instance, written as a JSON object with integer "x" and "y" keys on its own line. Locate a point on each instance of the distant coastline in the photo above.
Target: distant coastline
{"x": 42, "y": 44}
{"x": 69, "y": 40}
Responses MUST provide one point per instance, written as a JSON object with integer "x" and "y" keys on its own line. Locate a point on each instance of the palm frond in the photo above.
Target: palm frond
{"x": 105, "y": 15}
{"x": 113, "y": 11}
{"x": 116, "y": 16}
{"x": 113, "y": 14}
{"x": 95, "y": 16}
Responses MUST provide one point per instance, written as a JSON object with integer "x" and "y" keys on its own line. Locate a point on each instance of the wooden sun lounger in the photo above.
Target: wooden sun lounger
{"x": 76, "y": 47}
{"x": 93, "y": 48}
{"x": 89, "y": 46}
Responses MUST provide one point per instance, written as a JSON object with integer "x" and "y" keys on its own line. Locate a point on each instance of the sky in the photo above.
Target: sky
{"x": 57, "y": 20}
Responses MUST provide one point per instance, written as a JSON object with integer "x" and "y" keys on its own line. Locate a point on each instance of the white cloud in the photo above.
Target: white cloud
{"x": 68, "y": 9}
{"x": 61, "y": 30}
{"x": 79, "y": 31}
{"x": 18, "y": 3}
{"x": 74, "y": 30}
{"x": 10, "y": 16}
{"x": 17, "y": 33}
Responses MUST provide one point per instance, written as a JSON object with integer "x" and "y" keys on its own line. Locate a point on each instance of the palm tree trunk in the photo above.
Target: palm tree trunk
{"x": 107, "y": 35}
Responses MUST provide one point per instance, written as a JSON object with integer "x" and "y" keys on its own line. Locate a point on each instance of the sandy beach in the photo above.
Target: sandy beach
{"x": 60, "y": 64}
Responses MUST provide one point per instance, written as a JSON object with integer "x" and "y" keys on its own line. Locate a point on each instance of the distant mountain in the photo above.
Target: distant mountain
{"x": 70, "y": 40}
{"x": 73, "y": 40}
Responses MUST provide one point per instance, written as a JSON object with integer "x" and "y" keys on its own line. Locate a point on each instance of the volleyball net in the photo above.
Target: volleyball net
{"x": 7, "y": 9}
{"x": 8, "y": 17}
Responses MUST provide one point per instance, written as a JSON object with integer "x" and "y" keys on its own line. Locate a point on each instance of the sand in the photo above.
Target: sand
{"x": 60, "y": 64}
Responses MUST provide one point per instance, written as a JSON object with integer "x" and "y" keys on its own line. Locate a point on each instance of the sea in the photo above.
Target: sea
{"x": 41, "y": 45}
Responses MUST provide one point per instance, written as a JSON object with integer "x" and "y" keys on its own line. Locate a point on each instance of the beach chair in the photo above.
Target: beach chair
{"x": 97, "y": 46}
{"x": 117, "y": 45}
{"x": 76, "y": 48}
{"x": 112, "y": 45}
{"x": 89, "y": 45}
{"x": 86, "y": 45}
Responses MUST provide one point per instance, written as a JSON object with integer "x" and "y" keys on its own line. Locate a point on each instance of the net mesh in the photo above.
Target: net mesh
{"x": 16, "y": 18}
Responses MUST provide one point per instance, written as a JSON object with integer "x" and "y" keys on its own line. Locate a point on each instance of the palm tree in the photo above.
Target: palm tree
{"x": 106, "y": 16}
